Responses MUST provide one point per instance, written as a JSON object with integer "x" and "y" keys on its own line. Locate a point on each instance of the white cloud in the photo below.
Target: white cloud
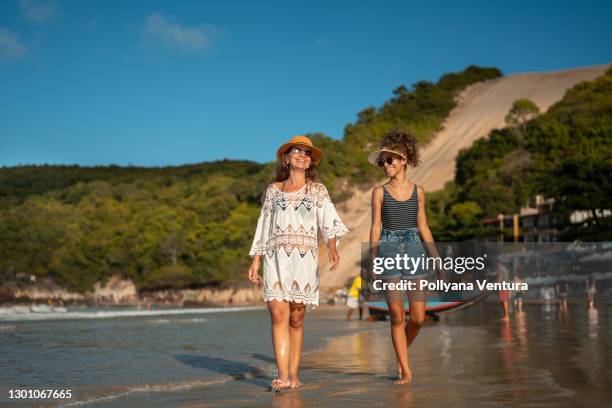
{"x": 11, "y": 48}
{"x": 159, "y": 30}
{"x": 39, "y": 11}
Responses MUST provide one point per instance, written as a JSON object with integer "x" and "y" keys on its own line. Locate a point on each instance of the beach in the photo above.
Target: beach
{"x": 223, "y": 357}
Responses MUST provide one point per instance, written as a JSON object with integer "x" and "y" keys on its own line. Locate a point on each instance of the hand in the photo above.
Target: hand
{"x": 254, "y": 271}
{"x": 373, "y": 275}
{"x": 334, "y": 259}
{"x": 441, "y": 274}
{"x": 372, "y": 255}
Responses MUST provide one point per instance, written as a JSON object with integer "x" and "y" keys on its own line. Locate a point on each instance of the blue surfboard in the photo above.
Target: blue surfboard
{"x": 430, "y": 306}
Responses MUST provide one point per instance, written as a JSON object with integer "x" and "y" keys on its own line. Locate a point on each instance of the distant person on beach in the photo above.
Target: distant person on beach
{"x": 353, "y": 298}
{"x": 591, "y": 289}
{"x": 547, "y": 294}
{"x": 562, "y": 290}
{"x": 518, "y": 295}
{"x": 295, "y": 206}
{"x": 398, "y": 225}
{"x": 503, "y": 275}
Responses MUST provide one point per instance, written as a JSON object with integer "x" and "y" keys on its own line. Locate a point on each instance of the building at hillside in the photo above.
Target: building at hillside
{"x": 535, "y": 223}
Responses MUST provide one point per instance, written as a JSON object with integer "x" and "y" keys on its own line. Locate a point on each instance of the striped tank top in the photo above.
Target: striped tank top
{"x": 397, "y": 215}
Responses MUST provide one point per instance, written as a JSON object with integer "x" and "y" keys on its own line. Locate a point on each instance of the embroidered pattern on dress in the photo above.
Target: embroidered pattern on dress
{"x": 284, "y": 203}
{"x": 281, "y": 231}
{"x": 312, "y": 194}
{"x": 307, "y": 296}
{"x": 337, "y": 229}
{"x": 289, "y": 239}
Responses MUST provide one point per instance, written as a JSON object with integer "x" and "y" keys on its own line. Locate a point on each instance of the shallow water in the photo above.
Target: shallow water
{"x": 105, "y": 355}
{"x": 469, "y": 358}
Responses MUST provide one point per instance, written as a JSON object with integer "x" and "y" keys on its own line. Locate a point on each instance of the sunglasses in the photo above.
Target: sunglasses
{"x": 382, "y": 162}
{"x": 297, "y": 150}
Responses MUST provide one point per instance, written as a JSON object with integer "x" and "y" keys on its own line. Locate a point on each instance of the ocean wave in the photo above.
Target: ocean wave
{"x": 190, "y": 320}
{"x": 145, "y": 388}
{"x": 44, "y": 312}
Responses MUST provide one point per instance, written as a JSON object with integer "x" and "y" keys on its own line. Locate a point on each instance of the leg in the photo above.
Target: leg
{"x": 398, "y": 335}
{"x": 417, "y": 315}
{"x": 296, "y": 336}
{"x": 349, "y": 314}
{"x": 504, "y": 298}
{"x": 279, "y": 314}
{"x": 360, "y": 312}
{"x": 504, "y": 305}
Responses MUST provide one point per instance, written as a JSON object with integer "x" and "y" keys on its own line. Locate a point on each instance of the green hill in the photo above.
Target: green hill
{"x": 184, "y": 226}
{"x": 565, "y": 154}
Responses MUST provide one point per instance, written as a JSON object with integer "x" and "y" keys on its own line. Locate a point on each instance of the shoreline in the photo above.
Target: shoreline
{"x": 117, "y": 292}
{"x": 464, "y": 360}
{"x": 160, "y": 305}
{"x": 468, "y": 358}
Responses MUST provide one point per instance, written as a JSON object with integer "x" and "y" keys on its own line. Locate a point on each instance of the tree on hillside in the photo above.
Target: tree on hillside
{"x": 192, "y": 225}
{"x": 523, "y": 110}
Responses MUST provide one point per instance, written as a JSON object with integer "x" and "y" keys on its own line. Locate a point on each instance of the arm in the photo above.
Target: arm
{"x": 376, "y": 227}
{"x": 422, "y": 217}
{"x": 332, "y": 253}
{"x": 258, "y": 248}
{"x": 331, "y": 226}
{"x": 423, "y": 227}
{"x": 426, "y": 235}
{"x": 254, "y": 269}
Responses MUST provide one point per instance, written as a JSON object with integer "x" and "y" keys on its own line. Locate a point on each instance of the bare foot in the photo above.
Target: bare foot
{"x": 398, "y": 368}
{"x": 401, "y": 379}
{"x": 277, "y": 384}
{"x": 404, "y": 379}
{"x": 295, "y": 382}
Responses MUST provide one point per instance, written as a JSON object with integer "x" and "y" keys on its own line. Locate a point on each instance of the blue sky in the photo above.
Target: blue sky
{"x": 156, "y": 83}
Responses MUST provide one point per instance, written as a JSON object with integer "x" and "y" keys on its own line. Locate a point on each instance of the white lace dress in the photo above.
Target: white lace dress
{"x": 286, "y": 238}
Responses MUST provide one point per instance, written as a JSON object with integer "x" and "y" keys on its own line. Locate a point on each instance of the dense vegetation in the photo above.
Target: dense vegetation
{"x": 565, "y": 154}
{"x": 192, "y": 225}
{"x": 170, "y": 227}
{"x": 421, "y": 110}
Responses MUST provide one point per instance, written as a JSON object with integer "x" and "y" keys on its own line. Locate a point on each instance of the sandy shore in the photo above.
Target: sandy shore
{"x": 539, "y": 359}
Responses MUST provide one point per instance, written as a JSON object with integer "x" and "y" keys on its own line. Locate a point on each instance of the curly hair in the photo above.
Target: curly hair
{"x": 404, "y": 142}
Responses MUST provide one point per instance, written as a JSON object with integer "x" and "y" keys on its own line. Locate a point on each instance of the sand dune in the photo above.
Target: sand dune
{"x": 481, "y": 108}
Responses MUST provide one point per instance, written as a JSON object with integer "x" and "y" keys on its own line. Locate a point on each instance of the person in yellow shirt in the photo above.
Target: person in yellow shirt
{"x": 353, "y": 298}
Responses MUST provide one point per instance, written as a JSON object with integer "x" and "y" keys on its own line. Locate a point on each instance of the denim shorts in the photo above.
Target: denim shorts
{"x": 402, "y": 242}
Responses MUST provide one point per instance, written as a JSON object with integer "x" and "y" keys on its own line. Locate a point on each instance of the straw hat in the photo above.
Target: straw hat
{"x": 317, "y": 154}
{"x": 374, "y": 156}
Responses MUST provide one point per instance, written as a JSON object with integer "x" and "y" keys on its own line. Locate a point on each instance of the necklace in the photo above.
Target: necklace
{"x": 395, "y": 185}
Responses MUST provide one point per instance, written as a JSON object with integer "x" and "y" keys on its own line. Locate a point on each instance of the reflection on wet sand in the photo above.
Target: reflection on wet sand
{"x": 539, "y": 357}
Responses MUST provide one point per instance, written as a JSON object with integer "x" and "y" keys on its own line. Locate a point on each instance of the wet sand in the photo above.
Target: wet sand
{"x": 540, "y": 358}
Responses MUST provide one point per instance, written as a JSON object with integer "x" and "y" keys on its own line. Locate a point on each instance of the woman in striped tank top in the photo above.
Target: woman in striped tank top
{"x": 398, "y": 225}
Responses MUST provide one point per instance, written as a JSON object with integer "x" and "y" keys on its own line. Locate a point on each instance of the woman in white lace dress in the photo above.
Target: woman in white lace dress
{"x": 295, "y": 207}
